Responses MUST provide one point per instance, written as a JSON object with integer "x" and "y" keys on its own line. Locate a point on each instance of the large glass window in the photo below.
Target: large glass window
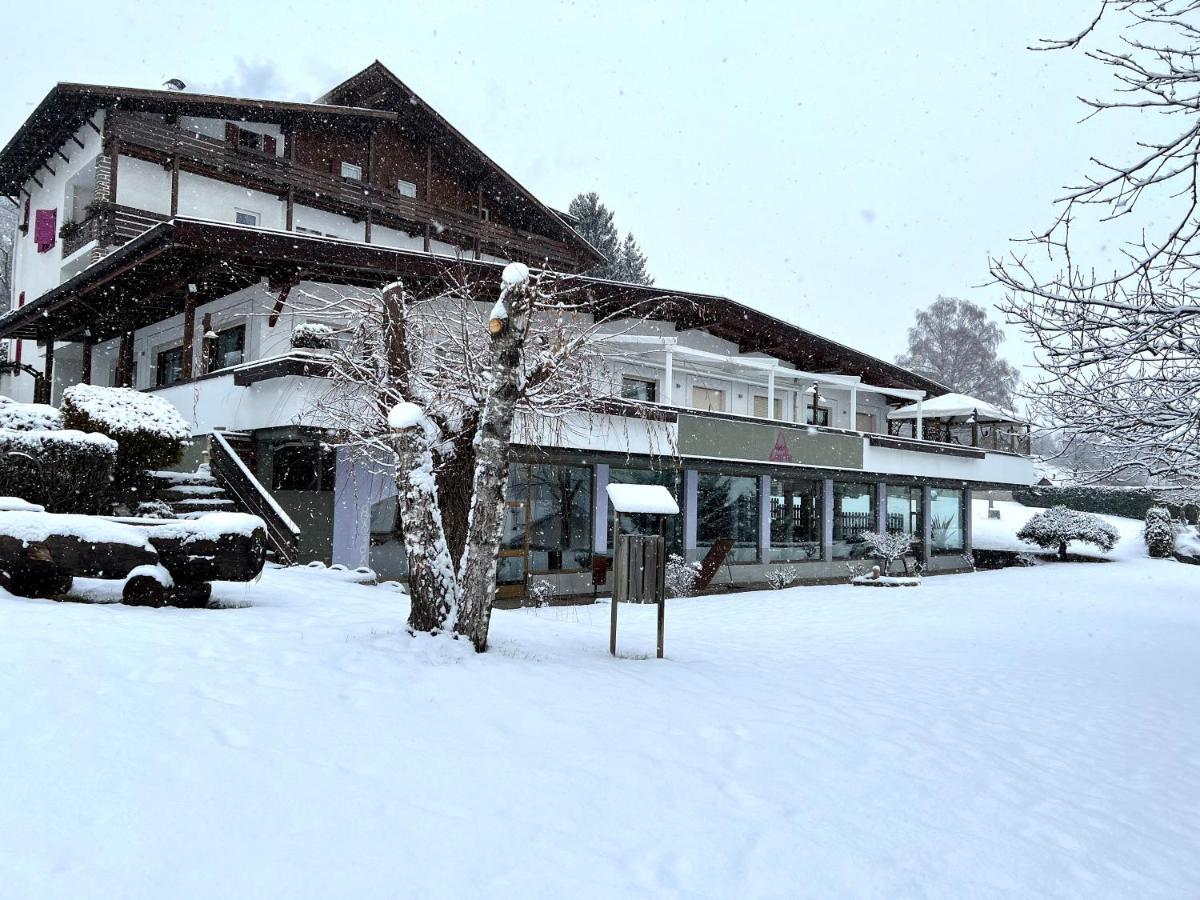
{"x": 560, "y": 518}
{"x": 648, "y": 524}
{"x": 231, "y": 347}
{"x": 727, "y": 507}
{"x": 303, "y": 467}
{"x": 169, "y": 369}
{"x": 904, "y": 510}
{"x": 795, "y": 520}
{"x": 387, "y": 555}
{"x": 644, "y": 390}
{"x": 853, "y": 513}
{"x": 760, "y": 407}
{"x": 708, "y": 399}
{"x": 946, "y": 520}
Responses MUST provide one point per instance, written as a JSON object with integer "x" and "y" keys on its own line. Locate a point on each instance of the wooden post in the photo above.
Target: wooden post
{"x": 189, "y": 334}
{"x": 367, "y": 228}
{"x": 114, "y": 154}
{"x": 175, "y": 185}
{"x": 290, "y": 224}
{"x": 619, "y": 572}
{"x": 975, "y": 429}
{"x": 371, "y": 163}
{"x": 428, "y": 194}
{"x": 85, "y": 369}
{"x": 124, "y": 374}
{"x": 816, "y": 407}
{"x": 48, "y": 373}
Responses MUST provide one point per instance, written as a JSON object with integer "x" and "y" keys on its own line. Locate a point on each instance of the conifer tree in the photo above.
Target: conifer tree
{"x": 624, "y": 259}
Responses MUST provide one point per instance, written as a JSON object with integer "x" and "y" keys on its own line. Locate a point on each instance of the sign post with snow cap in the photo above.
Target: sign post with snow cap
{"x": 639, "y": 569}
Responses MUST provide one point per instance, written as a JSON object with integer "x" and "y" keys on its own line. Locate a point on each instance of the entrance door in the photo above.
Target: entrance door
{"x": 512, "y": 567}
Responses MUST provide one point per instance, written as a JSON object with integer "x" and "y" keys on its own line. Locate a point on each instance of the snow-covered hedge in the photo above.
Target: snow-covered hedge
{"x": 16, "y": 416}
{"x": 1159, "y": 532}
{"x": 1109, "y": 500}
{"x": 64, "y": 471}
{"x": 312, "y": 336}
{"x": 150, "y": 432}
{"x": 1055, "y": 528}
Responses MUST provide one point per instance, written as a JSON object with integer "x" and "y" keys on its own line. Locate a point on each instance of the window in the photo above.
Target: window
{"x": 351, "y": 171}
{"x": 853, "y": 513}
{"x": 649, "y": 524}
{"x": 760, "y": 407}
{"x": 302, "y": 467}
{"x": 387, "y": 554}
{"x": 245, "y": 217}
{"x": 483, "y": 212}
{"x": 865, "y": 422}
{"x": 231, "y": 347}
{"x": 904, "y": 510}
{"x": 822, "y": 415}
{"x": 795, "y": 519}
{"x": 708, "y": 399}
{"x": 249, "y": 140}
{"x": 169, "y": 367}
{"x": 406, "y": 188}
{"x": 640, "y": 389}
{"x": 946, "y": 516}
{"x": 727, "y": 507}
{"x": 560, "y": 517}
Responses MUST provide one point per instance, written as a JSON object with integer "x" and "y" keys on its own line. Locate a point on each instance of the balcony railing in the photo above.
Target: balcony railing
{"x": 328, "y": 191}
{"x": 108, "y": 224}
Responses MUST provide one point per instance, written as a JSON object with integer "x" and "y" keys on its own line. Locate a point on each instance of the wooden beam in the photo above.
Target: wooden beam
{"x": 290, "y": 224}
{"x": 92, "y": 125}
{"x": 48, "y": 371}
{"x": 37, "y": 181}
{"x": 367, "y": 228}
{"x": 124, "y": 374}
{"x": 372, "y": 162}
{"x": 189, "y": 333}
{"x": 79, "y": 142}
{"x": 114, "y": 154}
{"x": 85, "y": 369}
{"x": 175, "y": 185}
{"x": 50, "y": 168}
{"x": 62, "y": 156}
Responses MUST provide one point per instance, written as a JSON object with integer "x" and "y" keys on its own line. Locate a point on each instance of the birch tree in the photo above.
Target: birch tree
{"x": 433, "y": 381}
{"x": 1119, "y": 334}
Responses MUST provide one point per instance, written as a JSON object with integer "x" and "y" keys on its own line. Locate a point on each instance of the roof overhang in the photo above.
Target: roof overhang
{"x": 146, "y": 281}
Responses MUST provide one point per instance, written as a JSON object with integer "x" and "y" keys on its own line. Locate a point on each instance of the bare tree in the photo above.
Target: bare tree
{"x": 441, "y": 385}
{"x": 1120, "y": 341}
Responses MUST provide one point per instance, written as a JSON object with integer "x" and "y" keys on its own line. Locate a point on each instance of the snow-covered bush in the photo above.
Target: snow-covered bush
{"x": 16, "y": 416}
{"x": 539, "y": 592}
{"x": 312, "y": 336}
{"x": 1056, "y": 528}
{"x": 887, "y": 548}
{"x": 681, "y": 576}
{"x": 154, "y": 509}
{"x": 780, "y": 577}
{"x": 149, "y": 431}
{"x": 64, "y": 471}
{"x": 1159, "y": 532}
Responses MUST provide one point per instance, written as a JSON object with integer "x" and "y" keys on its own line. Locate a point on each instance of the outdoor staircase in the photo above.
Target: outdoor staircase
{"x": 192, "y": 494}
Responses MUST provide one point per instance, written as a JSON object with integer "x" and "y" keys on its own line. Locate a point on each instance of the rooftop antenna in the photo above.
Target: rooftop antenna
{"x": 174, "y": 84}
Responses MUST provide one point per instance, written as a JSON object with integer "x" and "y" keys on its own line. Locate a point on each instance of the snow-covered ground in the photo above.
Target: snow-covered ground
{"x": 1001, "y": 533}
{"x": 1029, "y": 732}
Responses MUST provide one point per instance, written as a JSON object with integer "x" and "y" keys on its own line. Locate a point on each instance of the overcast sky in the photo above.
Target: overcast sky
{"x": 837, "y": 164}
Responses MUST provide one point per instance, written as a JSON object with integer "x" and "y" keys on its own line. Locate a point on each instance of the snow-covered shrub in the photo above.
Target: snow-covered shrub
{"x": 1056, "y": 528}
{"x": 154, "y": 509}
{"x": 1159, "y": 532}
{"x": 149, "y": 431}
{"x": 64, "y": 471}
{"x": 681, "y": 576}
{"x": 887, "y": 548}
{"x": 539, "y": 592}
{"x": 312, "y": 336}
{"x": 780, "y": 577}
{"x": 16, "y": 416}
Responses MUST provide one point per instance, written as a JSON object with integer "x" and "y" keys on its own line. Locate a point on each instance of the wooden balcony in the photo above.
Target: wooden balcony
{"x": 108, "y": 224}
{"x": 275, "y": 174}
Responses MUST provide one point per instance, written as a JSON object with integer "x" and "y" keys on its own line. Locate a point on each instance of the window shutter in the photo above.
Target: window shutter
{"x": 269, "y": 144}
{"x": 231, "y": 133}
{"x": 25, "y": 216}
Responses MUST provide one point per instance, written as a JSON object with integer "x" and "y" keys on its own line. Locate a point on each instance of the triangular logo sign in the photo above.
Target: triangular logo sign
{"x": 780, "y": 453}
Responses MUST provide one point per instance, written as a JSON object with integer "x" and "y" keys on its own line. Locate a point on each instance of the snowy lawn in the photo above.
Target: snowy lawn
{"x": 1028, "y": 732}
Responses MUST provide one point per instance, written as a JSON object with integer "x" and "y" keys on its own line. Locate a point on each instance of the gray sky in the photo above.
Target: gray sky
{"x": 835, "y": 164}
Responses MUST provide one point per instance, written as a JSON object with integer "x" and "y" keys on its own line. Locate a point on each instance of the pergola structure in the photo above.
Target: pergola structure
{"x": 961, "y": 419}
{"x": 178, "y": 266}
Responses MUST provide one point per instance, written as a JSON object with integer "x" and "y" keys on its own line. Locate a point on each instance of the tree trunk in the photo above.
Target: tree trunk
{"x": 1062, "y": 551}
{"x": 431, "y": 585}
{"x": 454, "y": 476}
{"x": 493, "y": 452}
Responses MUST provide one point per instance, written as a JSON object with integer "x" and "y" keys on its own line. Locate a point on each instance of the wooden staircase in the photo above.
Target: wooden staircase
{"x": 231, "y": 470}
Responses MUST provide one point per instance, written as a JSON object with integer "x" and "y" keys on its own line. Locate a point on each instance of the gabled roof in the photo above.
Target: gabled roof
{"x": 377, "y": 87}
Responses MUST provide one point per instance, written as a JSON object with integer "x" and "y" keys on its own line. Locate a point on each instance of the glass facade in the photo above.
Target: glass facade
{"x": 560, "y": 518}
{"x": 727, "y": 507}
{"x": 386, "y": 554}
{"x": 853, "y": 513}
{"x": 947, "y": 514}
{"x": 904, "y": 510}
{"x": 795, "y": 520}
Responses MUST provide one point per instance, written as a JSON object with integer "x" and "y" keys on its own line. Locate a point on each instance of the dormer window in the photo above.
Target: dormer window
{"x": 351, "y": 171}
{"x": 249, "y": 140}
{"x": 406, "y": 188}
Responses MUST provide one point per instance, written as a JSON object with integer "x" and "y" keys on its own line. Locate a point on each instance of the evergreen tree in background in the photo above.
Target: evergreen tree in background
{"x": 955, "y": 343}
{"x": 625, "y": 260}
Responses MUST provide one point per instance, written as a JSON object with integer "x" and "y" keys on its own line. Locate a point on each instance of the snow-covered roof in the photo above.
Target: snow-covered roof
{"x": 642, "y": 498}
{"x": 954, "y": 405}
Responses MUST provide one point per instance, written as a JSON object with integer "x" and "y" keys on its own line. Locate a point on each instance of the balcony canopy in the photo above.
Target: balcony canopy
{"x": 956, "y": 406}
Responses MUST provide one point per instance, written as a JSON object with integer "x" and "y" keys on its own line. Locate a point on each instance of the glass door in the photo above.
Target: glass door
{"x": 512, "y": 564}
